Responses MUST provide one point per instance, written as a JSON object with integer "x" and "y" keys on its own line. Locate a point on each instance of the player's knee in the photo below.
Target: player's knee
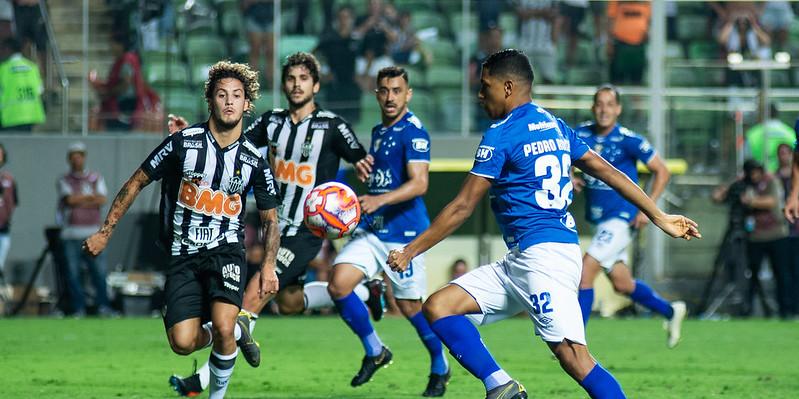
{"x": 336, "y": 291}
{"x": 623, "y": 286}
{"x": 434, "y": 309}
{"x": 223, "y": 330}
{"x": 182, "y": 344}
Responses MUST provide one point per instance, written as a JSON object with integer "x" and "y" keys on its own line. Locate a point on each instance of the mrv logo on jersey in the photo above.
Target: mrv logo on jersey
{"x": 162, "y": 153}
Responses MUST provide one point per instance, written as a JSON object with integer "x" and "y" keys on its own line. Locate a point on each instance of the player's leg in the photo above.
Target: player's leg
{"x": 545, "y": 279}
{"x": 439, "y": 367}
{"x": 314, "y": 295}
{"x": 72, "y": 270}
{"x": 481, "y": 295}
{"x": 638, "y": 291}
{"x": 223, "y": 357}
{"x": 591, "y": 269}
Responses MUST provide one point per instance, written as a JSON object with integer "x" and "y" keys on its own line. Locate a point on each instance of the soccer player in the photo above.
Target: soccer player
{"x": 524, "y": 160}
{"x": 614, "y": 217}
{"x": 305, "y": 144}
{"x": 207, "y": 170}
{"x": 394, "y": 213}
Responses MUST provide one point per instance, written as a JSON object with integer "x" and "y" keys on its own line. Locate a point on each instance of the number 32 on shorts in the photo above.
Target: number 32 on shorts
{"x": 541, "y": 303}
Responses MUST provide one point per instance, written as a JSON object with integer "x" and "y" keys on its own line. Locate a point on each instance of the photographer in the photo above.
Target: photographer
{"x": 755, "y": 201}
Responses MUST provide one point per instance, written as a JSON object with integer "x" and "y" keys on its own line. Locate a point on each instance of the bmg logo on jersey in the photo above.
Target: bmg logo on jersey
{"x": 209, "y": 202}
{"x": 300, "y": 173}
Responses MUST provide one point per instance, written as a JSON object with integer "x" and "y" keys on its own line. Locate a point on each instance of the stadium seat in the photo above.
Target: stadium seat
{"x": 423, "y": 105}
{"x": 444, "y": 76}
{"x": 184, "y": 102}
{"x": 164, "y": 74}
{"x": 444, "y": 52}
{"x": 448, "y": 107}
{"x": 682, "y": 76}
{"x": 509, "y": 22}
{"x": 204, "y": 48}
{"x": 703, "y": 50}
{"x": 582, "y": 76}
{"x": 428, "y": 19}
{"x": 231, "y": 22}
{"x": 416, "y": 76}
{"x": 199, "y": 74}
{"x": 674, "y": 51}
{"x": 290, "y": 44}
{"x": 691, "y": 27}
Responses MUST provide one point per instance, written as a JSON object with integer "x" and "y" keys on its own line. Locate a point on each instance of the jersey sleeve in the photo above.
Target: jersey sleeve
{"x": 577, "y": 146}
{"x": 264, "y": 188}
{"x": 417, "y": 145}
{"x": 796, "y": 131}
{"x": 256, "y": 132}
{"x": 345, "y": 143}
{"x": 157, "y": 163}
{"x": 490, "y": 156}
{"x": 640, "y": 148}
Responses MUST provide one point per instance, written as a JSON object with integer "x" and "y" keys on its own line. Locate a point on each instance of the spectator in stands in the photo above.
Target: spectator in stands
{"x": 21, "y": 89}
{"x": 629, "y": 27}
{"x": 126, "y": 101}
{"x": 458, "y": 268}
{"x": 376, "y": 31}
{"x": 157, "y": 23}
{"x": 6, "y": 19}
{"x": 30, "y": 30}
{"x": 81, "y": 193}
{"x": 339, "y": 50}
{"x": 489, "y": 42}
{"x": 776, "y": 18}
{"x": 572, "y": 13}
{"x": 488, "y": 13}
{"x": 405, "y": 47}
{"x": 763, "y": 138}
{"x": 537, "y": 37}
{"x": 8, "y": 202}
{"x": 259, "y": 18}
{"x": 741, "y": 33}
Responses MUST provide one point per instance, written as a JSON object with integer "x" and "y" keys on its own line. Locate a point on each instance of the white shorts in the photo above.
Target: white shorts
{"x": 368, "y": 254}
{"x": 609, "y": 245}
{"x": 542, "y": 280}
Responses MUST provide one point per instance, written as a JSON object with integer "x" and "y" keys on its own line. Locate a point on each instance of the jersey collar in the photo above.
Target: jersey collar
{"x": 216, "y": 144}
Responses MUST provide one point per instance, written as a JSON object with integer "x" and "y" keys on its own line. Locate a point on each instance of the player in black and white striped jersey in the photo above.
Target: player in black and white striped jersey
{"x": 206, "y": 171}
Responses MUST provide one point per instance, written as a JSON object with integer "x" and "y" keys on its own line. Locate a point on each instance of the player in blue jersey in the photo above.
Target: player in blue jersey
{"x": 395, "y": 172}
{"x": 615, "y": 218}
{"x": 523, "y": 161}
{"x": 792, "y": 202}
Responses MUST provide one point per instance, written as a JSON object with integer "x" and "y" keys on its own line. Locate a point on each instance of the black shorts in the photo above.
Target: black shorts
{"x": 193, "y": 281}
{"x": 294, "y": 255}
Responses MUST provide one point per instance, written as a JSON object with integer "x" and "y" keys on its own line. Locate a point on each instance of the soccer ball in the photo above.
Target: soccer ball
{"x": 331, "y": 210}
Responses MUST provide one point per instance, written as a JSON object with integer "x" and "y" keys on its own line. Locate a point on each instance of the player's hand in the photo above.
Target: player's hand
{"x": 578, "y": 183}
{"x": 678, "y": 226}
{"x": 370, "y": 203}
{"x": 791, "y": 209}
{"x": 363, "y": 168}
{"x": 176, "y": 123}
{"x": 269, "y": 282}
{"x": 639, "y": 221}
{"x": 95, "y": 244}
{"x": 398, "y": 260}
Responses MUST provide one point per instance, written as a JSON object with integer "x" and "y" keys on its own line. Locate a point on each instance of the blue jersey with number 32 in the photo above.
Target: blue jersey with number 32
{"x": 527, "y": 157}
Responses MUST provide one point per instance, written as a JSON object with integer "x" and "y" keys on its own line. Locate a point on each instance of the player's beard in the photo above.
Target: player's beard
{"x": 301, "y": 103}
{"x": 221, "y": 123}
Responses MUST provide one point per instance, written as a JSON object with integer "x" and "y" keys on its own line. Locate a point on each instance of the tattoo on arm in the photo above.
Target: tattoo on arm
{"x": 127, "y": 194}
{"x": 271, "y": 231}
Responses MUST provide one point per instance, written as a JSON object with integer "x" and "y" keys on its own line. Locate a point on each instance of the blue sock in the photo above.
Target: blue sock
{"x": 601, "y": 385}
{"x": 438, "y": 362}
{"x": 586, "y": 299}
{"x": 645, "y": 296}
{"x": 355, "y": 314}
{"x": 464, "y": 343}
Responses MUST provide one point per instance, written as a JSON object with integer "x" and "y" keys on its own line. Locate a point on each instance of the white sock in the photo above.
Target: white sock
{"x": 236, "y": 332}
{"x": 205, "y": 375}
{"x": 207, "y": 327}
{"x": 221, "y": 369}
{"x": 497, "y": 378}
{"x": 316, "y": 295}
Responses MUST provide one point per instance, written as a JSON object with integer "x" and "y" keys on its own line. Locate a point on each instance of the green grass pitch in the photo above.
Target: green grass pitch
{"x": 315, "y": 357}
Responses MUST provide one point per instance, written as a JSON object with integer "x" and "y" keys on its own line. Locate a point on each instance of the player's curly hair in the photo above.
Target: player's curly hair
{"x": 301, "y": 58}
{"x": 226, "y": 69}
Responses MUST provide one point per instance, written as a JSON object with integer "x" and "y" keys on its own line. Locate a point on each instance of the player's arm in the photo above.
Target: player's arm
{"x": 271, "y": 233}
{"x": 415, "y": 186}
{"x": 346, "y": 145}
{"x": 674, "y": 225}
{"x": 660, "y": 178}
{"x": 127, "y": 194}
{"x": 450, "y": 218}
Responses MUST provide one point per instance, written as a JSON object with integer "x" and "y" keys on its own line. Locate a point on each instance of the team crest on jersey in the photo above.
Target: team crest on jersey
{"x": 307, "y": 147}
{"x": 376, "y": 144}
{"x": 235, "y": 185}
{"x": 420, "y": 145}
{"x": 484, "y": 153}
{"x": 598, "y": 147}
{"x": 192, "y": 131}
